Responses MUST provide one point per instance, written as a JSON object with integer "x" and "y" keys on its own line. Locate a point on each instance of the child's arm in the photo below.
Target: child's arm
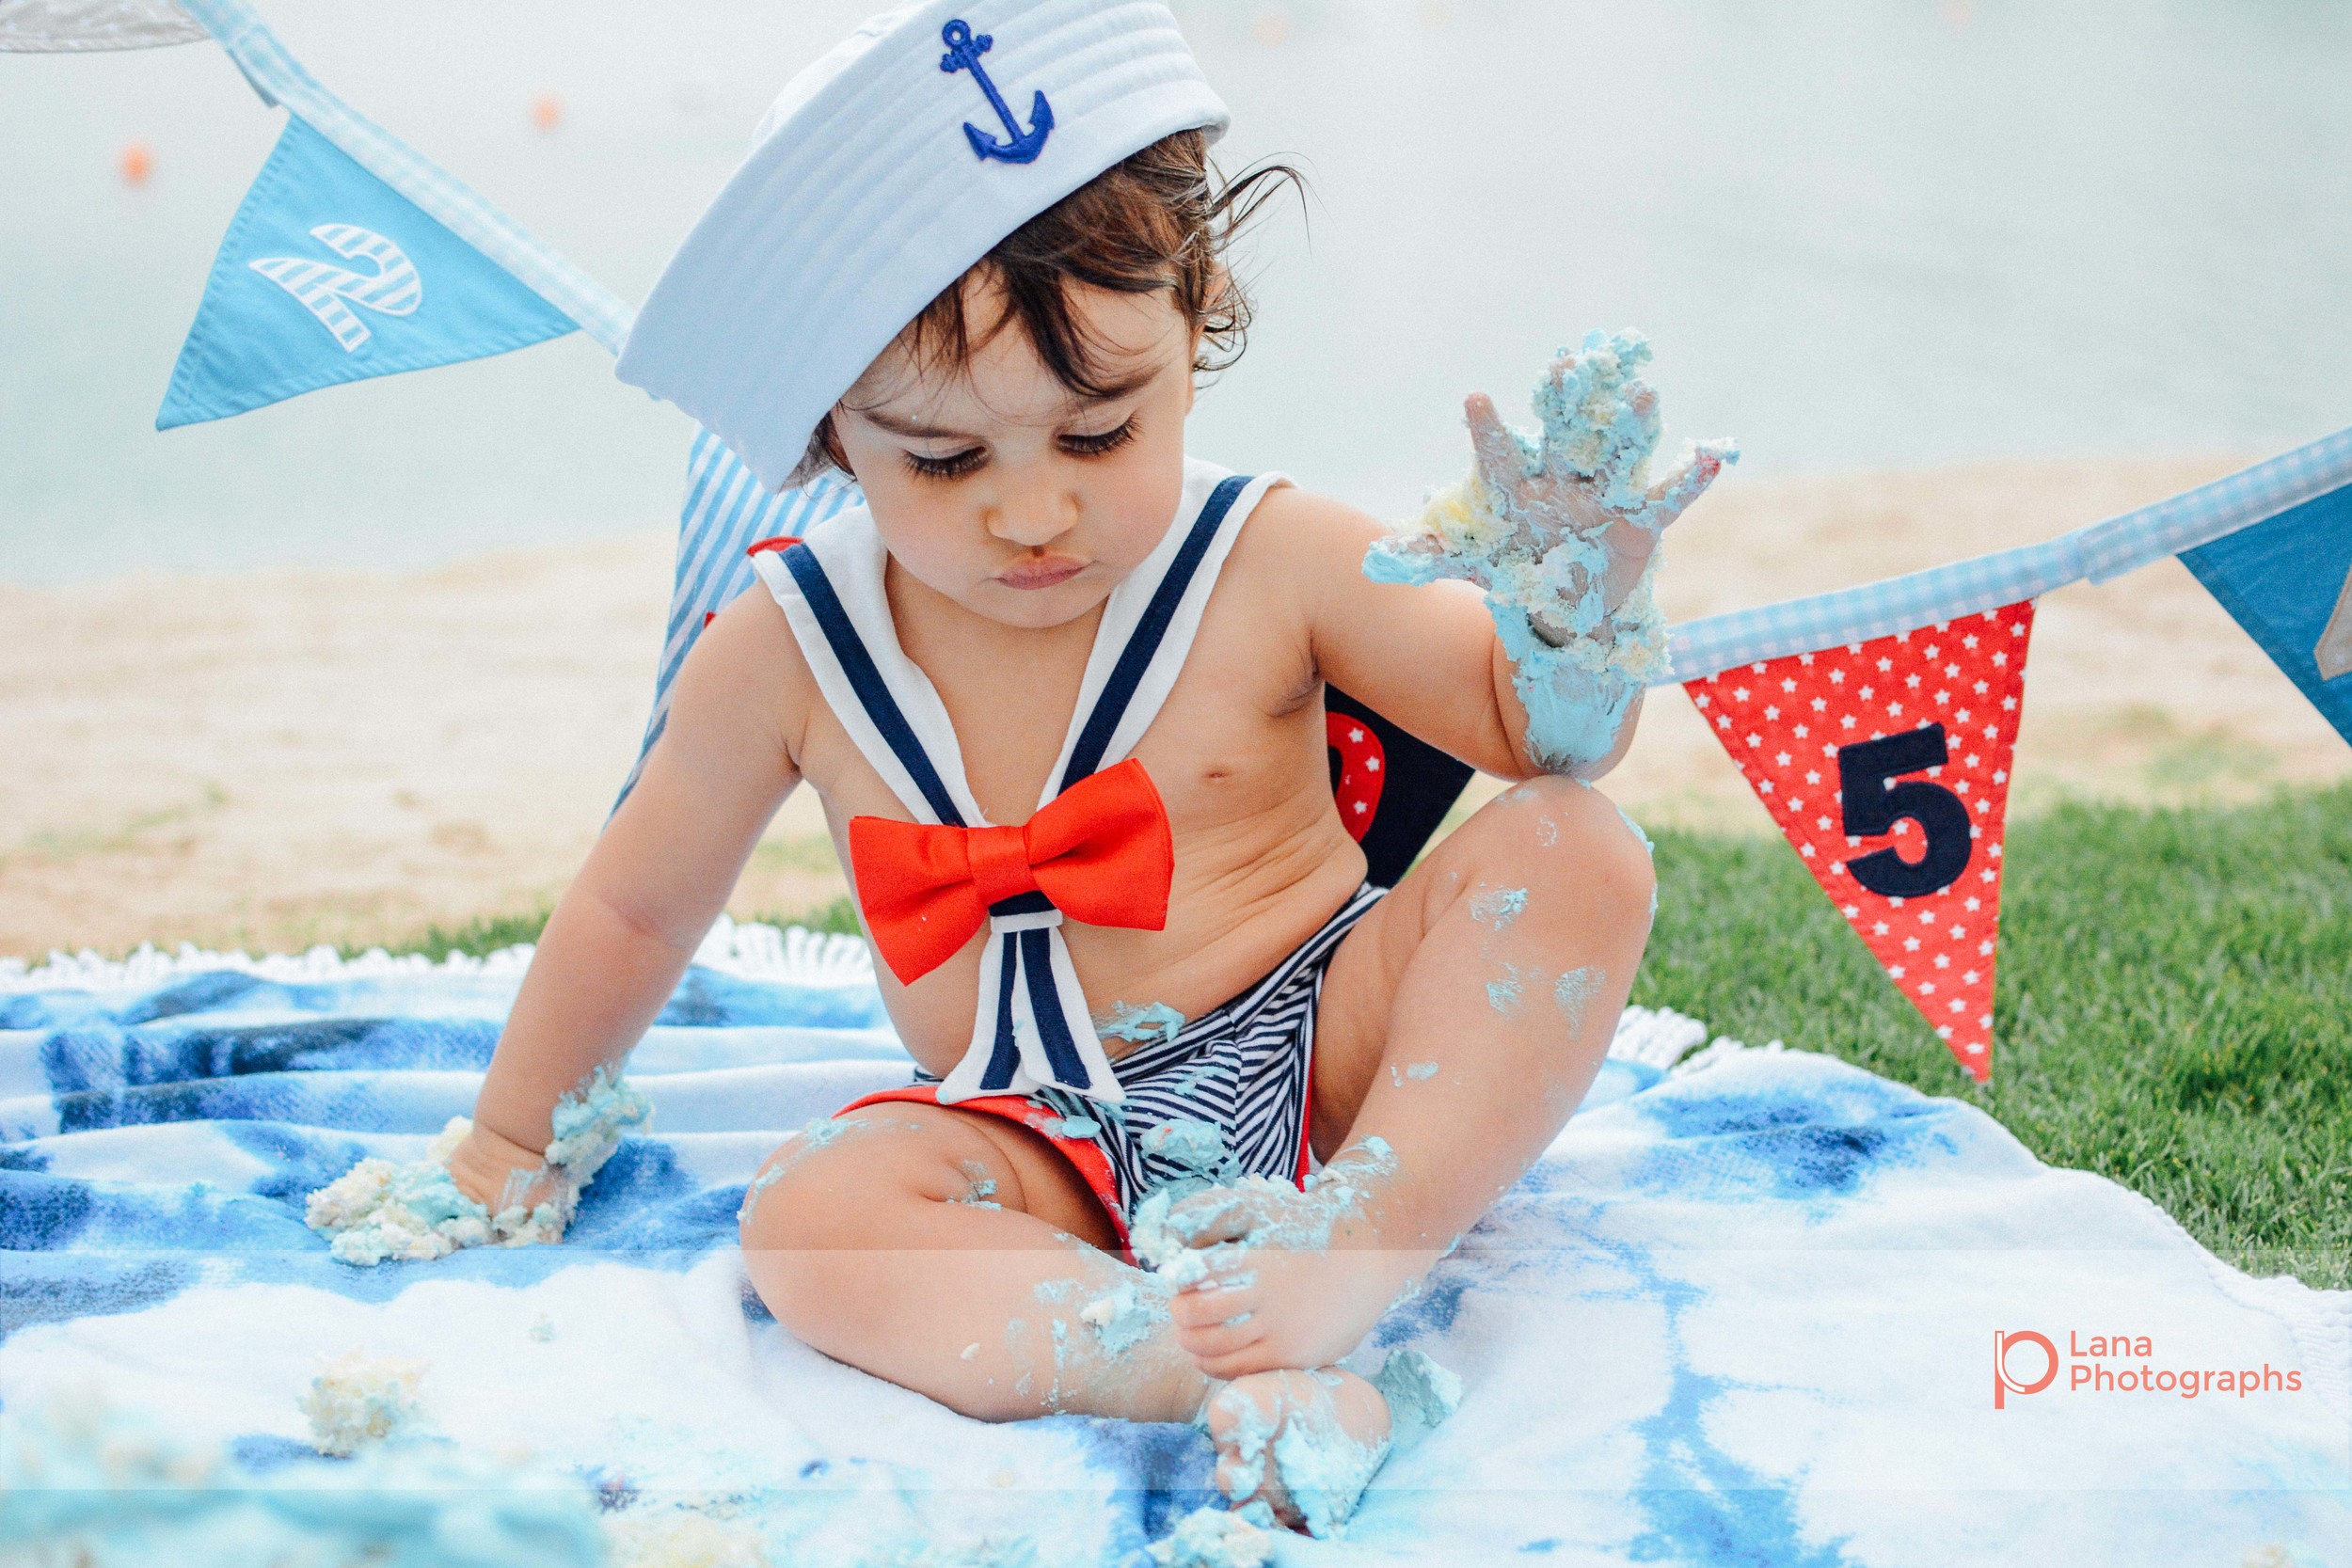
{"x": 659, "y": 876}
{"x": 1427, "y": 659}
{"x": 1561, "y": 532}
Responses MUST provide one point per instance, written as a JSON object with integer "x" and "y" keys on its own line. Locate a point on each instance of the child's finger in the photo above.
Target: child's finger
{"x": 1218, "y": 1341}
{"x": 1630, "y": 545}
{"x": 1563, "y": 420}
{"x": 1202, "y": 1306}
{"x": 1701, "y": 463}
{"x": 1240, "y": 1478}
{"x": 1206, "y": 1224}
{"x": 1252, "y": 1357}
{"x": 1221, "y": 1265}
{"x": 1502, "y": 460}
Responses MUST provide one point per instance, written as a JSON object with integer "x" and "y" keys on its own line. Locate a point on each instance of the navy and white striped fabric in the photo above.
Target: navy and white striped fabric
{"x": 1032, "y": 1027}
{"x": 1241, "y": 1068}
{"x": 724, "y": 513}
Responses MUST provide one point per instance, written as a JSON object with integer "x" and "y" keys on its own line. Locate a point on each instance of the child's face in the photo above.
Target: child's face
{"x": 1000, "y": 488}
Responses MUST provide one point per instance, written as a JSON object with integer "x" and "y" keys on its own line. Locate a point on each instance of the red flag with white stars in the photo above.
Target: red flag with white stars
{"x": 1357, "y": 784}
{"x": 1887, "y": 764}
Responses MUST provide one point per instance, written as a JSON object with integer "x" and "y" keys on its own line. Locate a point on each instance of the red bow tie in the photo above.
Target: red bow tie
{"x": 1101, "y": 852}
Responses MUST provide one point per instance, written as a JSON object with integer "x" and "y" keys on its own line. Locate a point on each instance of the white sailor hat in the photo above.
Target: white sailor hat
{"x": 882, "y": 173}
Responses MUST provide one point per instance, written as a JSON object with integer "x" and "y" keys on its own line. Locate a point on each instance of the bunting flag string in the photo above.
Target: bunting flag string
{"x": 353, "y": 257}
{"x": 1877, "y": 724}
{"x": 2098, "y": 553}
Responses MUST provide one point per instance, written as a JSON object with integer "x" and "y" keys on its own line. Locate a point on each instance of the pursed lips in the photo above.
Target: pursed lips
{"x": 1047, "y": 573}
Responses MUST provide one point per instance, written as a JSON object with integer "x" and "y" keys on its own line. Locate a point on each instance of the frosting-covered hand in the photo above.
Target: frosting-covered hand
{"x": 1269, "y": 1274}
{"x": 1582, "y": 491}
{"x": 382, "y": 1209}
{"x": 1561, "y": 532}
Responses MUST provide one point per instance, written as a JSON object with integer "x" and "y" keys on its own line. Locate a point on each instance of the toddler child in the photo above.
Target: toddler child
{"x": 1060, "y": 687}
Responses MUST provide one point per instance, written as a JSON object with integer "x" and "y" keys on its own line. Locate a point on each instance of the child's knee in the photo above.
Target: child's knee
{"x": 1563, "y": 834}
{"x": 821, "y": 1204}
{"x": 816, "y": 1182}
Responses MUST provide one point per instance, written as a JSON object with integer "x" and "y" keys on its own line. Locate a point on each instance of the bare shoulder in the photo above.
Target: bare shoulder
{"x": 1305, "y": 543}
{"x": 1302, "y": 521}
{"x": 747, "y": 672}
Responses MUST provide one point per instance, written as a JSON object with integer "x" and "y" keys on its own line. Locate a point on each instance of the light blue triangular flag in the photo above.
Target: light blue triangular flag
{"x": 2289, "y": 583}
{"x": 329, "y": 275}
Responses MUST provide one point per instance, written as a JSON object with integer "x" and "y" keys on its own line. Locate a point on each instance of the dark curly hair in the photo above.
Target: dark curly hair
{"x": 1161, "y": 219}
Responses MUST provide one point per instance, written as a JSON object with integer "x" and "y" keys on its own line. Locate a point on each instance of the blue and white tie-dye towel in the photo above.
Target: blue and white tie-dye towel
{"x": 1743, "y": 1311}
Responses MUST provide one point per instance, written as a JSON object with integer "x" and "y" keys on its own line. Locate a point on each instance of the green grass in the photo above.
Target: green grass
{"x": 484, "y": 935}
{"x": 490, "y": 933}
{"x": 840, "y": 917}
{"x": 2173, "y": 1007}
{"x": 2174, "y": 1003}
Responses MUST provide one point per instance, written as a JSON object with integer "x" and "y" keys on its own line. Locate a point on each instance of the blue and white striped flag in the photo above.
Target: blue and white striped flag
{"x": 725, "y": 513}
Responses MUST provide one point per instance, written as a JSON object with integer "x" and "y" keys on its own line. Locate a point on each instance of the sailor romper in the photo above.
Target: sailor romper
{"x": 1226, "y": 1093}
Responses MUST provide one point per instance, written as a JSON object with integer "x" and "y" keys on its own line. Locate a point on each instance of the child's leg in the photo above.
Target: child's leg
{"x": 871, "y": 1247}
{"x": 1460, "y": 1024}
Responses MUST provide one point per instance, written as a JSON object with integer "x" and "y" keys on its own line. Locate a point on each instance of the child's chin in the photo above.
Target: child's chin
{"x": 1037, "y": 608}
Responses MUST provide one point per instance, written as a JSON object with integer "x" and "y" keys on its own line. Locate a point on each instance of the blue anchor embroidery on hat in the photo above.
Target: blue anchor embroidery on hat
{"x": 963, "y": 54}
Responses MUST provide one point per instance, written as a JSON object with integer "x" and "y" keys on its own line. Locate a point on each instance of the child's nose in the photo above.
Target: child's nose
{"x": 1035, "y": 517}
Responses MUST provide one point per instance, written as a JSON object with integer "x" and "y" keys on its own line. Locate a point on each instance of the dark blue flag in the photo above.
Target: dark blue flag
{"x": 2289, "y": 583}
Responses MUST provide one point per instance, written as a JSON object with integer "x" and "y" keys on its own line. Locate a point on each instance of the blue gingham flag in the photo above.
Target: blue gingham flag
{"x": 725, "y": 513}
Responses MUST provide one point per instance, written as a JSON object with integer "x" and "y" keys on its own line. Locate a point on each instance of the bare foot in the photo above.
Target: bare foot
{"x": 1270, "y": 1275}
{"x": 1304, "y": 1444}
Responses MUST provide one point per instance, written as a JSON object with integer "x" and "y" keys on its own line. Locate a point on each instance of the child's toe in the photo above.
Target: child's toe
{"x": 1333, "y": 1425}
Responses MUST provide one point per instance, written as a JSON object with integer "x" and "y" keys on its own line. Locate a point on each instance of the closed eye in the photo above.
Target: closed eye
{"x": 953, "y": 467}
{"x": 1095, "y": 445}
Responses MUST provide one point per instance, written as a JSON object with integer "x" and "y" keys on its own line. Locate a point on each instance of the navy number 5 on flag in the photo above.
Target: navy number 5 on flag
{"x": 1874, "y": 803}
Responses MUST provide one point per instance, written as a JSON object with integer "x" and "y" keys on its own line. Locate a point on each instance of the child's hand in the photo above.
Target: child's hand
{"x": 1269, "y": 1275}
{"x": 484, "y": 1165}
{"x": 1576, "y": 504}
{"x": 1262, "y": 1295}
{"x": 1585, "y": 479}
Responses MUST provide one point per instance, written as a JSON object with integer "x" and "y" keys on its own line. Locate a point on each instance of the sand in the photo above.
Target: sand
{"x": 283, "y": 758}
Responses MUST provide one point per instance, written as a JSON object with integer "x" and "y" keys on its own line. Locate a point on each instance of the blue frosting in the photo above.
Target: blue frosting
{"x": 1534, "y": 526}
{"x": 96, "y": 1487}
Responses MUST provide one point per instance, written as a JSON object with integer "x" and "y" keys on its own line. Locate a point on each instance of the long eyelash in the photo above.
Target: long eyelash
{"x": 957, "y": 467}
{"x": 1095, "y": 445}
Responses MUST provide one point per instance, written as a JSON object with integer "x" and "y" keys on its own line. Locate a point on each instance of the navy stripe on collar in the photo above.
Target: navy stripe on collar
{"x": 867, "y": 681}
{"x": 1087, "y": 756}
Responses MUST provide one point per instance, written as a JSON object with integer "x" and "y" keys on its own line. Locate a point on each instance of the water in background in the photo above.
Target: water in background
{"x": 1859, "y": 235}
